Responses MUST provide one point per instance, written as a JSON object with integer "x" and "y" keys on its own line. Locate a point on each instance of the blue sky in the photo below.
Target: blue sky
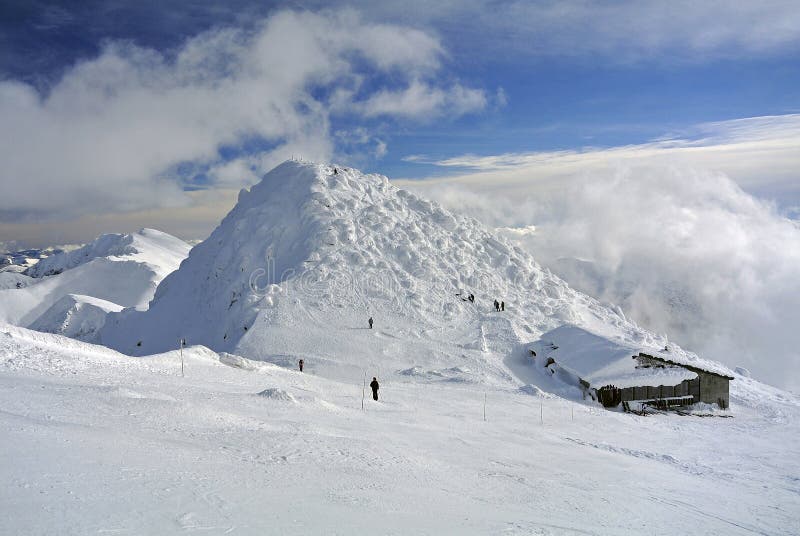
{"x": 407, "y": 88}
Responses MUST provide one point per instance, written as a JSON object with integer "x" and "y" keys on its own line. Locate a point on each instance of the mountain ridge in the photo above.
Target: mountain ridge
{"x": 123, "y": 269}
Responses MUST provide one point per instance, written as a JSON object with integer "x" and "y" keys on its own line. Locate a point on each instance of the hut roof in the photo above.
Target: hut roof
{"x": 602, "y": 361}
{"x": 693, "y": 368}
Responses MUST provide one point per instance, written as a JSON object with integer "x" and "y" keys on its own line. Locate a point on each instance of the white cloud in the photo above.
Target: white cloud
{"x": 501, "y": 98}
{"x": 762, "y": 154}
{"x": 422, "y": 101}
{"x": 621, "y": 31}
{"x": 633, "y": 29}
{"x": 663, "y": 231}
{"x": 109, "y": 135}
{"x": 380, "y": 149}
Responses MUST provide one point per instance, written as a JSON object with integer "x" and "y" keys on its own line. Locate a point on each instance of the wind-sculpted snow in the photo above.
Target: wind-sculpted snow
{"x": 76, "y": 316}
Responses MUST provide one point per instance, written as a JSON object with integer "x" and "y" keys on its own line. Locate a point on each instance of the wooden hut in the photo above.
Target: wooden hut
{"x": 615, "y": 373}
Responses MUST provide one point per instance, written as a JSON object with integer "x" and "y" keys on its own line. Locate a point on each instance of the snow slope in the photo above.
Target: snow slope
{"x": 11, "y": 279}
{"x": 312, "y": 251}
{"x": 121, "y": 269}
{"x": 96, "y": 442}
{"x": 161, "y": 251}
{"x": 76, "y": 316}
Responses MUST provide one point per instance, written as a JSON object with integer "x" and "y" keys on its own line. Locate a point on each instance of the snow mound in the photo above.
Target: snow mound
{"x": 275, "y": 393}
{"x": 75, "y": 316}
{"x": 453, "y": 374}
{"x": 235, "y": 361}
{"x": 124, "y": 392}
{"x": 533, "y": 390}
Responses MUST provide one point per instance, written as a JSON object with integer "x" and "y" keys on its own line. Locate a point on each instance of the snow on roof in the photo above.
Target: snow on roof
{"x": 601, "y": 361}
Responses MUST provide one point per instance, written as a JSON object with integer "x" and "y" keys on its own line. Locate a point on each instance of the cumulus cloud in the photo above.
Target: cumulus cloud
{"x": 117, "y": 131}
{"x": 420, "y": 100}
{"x": 684, "y": 252}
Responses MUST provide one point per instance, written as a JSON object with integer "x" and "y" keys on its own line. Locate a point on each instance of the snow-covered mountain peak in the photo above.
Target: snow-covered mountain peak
{"x": 160, "y": 250}
{"x": 313, "y": 250}
{"x": 122, "y": 269}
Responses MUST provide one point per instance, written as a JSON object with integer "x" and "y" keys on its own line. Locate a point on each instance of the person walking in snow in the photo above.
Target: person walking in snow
{"x": 300, "y": 363}
{"x": 374, "y": 385}
{"x": 496, "y": 305}
{"x": 502, "y": 306}
{"x": 370, "y": 322}
{"x": 472, "y": 298}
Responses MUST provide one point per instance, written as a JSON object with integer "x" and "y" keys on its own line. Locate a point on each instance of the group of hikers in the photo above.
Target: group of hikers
{"x": 498, "y": 305}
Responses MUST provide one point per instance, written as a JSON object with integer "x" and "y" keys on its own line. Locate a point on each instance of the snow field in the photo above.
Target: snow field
{"x": 97, "y": 442}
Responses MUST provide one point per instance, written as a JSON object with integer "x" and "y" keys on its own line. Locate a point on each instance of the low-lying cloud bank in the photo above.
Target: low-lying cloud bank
{"x": 684, "y": 252}
{"x": 761, "y": 154}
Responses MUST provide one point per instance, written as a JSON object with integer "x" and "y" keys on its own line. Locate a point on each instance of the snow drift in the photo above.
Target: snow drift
{"x": 76, "y": 316}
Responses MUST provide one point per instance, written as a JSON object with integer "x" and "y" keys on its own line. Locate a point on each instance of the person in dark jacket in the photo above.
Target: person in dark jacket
{"x": 374, "y": 385}
{"x": 502, "y": 306}
{"x": 472, "y": 298}
{"x": 300, "y": 363}
{"x": 496, "y": 305}
{"x": 370, "y": 322}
